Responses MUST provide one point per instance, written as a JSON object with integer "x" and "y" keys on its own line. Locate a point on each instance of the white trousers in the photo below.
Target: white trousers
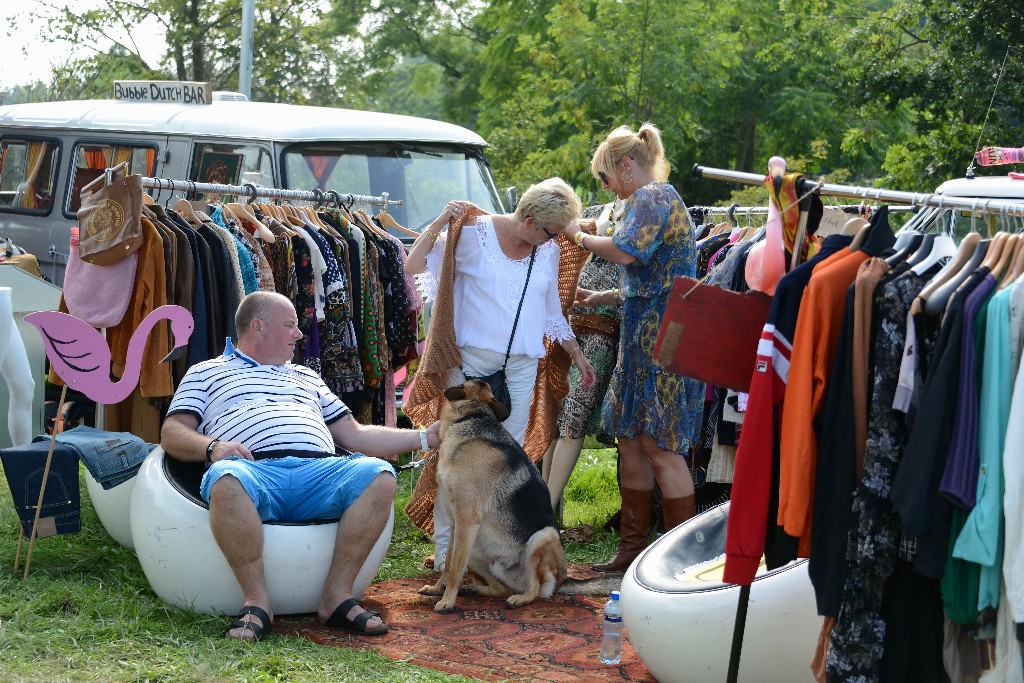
{"x": 521, "y": 374}
{"x": 17, "y": 373}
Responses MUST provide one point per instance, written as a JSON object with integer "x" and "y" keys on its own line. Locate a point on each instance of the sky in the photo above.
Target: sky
{"x": 28, "y": 55}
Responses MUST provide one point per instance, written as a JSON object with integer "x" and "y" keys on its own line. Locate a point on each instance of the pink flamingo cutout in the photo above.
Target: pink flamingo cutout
{"x": 81, "y": 357}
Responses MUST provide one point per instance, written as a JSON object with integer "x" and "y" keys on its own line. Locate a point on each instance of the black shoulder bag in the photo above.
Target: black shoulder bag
{"x": 497, "y": 380}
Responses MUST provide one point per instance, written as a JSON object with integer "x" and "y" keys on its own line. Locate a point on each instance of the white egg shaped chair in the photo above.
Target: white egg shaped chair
{"x": 113, "y": 507}
{"x": 171, "y": 529}
{"x": 679, "y": 615}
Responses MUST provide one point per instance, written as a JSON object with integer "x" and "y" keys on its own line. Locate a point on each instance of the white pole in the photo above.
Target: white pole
{"x": 245, "y": 63}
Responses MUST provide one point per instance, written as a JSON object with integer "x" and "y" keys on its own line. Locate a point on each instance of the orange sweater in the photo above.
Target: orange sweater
{"x": 814, "y": 344}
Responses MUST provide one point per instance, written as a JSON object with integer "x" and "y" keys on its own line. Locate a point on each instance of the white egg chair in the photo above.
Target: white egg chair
{"x": 170, "y": 526}
{"x": 679, "y": 615}
{"x": 113, "y": 507}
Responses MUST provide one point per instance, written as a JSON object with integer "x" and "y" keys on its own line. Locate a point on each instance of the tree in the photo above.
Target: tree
{"x": 295, "y": 57}
{"x": 941, "y": 62}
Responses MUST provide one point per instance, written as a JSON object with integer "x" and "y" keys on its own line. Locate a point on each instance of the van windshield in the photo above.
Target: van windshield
{"x": 424, "y": 176}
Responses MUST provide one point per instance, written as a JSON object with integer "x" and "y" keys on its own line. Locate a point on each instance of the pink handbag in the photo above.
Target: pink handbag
{"x": 99, "y": 295}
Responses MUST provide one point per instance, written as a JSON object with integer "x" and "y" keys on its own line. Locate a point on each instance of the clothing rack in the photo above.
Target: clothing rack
{"x": 252, "y": 192}
{"x": 805, "y": 186}
{"x": 763, "y": 210}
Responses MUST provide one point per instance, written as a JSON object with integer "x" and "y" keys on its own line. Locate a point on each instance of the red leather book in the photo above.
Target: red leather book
{"x": 711, "y": 334}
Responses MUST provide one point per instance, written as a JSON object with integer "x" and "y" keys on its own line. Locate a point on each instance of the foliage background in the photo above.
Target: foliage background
{"x": 893, "y": 93}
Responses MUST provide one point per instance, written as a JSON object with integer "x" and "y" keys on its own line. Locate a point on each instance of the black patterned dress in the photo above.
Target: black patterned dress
{"x": 874, "y": 543}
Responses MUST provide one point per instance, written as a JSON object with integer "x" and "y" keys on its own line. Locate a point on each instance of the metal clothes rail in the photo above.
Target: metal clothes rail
{"x": 252, "y": 192}
{"x": 805, "y": 186}
{"x": 763, "y": 210}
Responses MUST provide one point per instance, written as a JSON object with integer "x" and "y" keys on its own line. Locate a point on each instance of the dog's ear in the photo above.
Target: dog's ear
{"x": 499, "y": 409}
{"x": 456, "y": 393}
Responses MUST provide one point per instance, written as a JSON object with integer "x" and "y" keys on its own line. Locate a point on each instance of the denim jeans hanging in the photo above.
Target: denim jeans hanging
{"x": 24, "y": 465}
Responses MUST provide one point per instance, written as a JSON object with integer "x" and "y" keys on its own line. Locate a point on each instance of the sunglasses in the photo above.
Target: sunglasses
{"x": 603, "y": 177}
{"x": 551, "y": 235}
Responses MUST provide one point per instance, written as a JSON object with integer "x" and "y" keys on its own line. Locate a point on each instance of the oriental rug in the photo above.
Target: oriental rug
{"x": 549, "y": 640}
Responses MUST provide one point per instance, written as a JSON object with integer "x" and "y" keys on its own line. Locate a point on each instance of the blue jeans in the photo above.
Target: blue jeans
{"x": 112, "y": 457}
{"x": 24, "y": 465}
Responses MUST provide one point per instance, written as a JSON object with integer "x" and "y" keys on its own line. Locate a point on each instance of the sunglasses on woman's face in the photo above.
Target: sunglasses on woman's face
{"x": 551, "y": 235}
{"x": 603, "y": 177}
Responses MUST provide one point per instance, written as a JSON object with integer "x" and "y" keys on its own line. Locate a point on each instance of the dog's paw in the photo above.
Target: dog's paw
{"x": 444, "y": 607}
{"x": 520, "y": 600}
{"x": 469, "y": 589}
{"x": 431, "y": 590}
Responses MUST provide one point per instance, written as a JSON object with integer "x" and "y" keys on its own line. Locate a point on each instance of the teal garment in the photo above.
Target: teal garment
{"x": 643, "y": 398}
{"x": 981, "y": 540}
{"x": 960, "y": 580}
{"x": 250, "y": 281}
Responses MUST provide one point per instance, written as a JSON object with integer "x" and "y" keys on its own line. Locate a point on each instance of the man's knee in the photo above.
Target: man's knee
{"x": 384, "y": 484}
{"x": 228, "y": 490}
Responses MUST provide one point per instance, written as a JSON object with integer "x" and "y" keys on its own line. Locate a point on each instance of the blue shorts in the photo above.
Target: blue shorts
{"x": 294, "y": 489}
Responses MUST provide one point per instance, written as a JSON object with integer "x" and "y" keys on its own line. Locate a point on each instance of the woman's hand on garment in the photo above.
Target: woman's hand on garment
{"x": 588, "y": 376}
{"x": 452, "y": 210}
{"x": 590, "y": 298}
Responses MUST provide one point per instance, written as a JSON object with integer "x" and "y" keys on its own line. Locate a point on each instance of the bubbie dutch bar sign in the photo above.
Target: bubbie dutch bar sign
{"x": 176, "y": 92}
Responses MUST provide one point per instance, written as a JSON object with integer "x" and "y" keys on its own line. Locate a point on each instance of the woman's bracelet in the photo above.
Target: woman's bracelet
{"x": 432, "y": 235}
{"x": 617, "y": 296}
{"x": 578, "y": 239}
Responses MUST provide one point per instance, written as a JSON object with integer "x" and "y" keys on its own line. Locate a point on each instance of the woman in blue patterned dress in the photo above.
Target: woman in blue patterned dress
{"x": 654, "y": 414}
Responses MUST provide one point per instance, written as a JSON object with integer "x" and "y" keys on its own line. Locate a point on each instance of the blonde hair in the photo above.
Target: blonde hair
{"x": 644, "y": 147}
{"x": 550, "y": 202}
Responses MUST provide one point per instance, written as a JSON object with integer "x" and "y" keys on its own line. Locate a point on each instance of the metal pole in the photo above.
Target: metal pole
{"x": 1007, "y": 208}
{"x": 245, "y": 62}
{"x": 737, "y": 634}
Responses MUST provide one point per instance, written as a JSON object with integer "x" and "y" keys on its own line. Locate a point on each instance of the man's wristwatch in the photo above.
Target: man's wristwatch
{"x": 424, "y": 445}
{"x": 209, "y": 450}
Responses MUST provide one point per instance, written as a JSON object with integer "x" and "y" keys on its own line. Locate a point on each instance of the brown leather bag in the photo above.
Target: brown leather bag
{"x": 110, "y": 217}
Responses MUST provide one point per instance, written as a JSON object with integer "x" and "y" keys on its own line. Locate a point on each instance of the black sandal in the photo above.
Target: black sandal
{"x": 259, "y": 631}
{"x": 339, "y": 619}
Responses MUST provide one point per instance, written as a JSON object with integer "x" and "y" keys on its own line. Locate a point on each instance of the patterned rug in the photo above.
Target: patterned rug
{"x": 549, "y": 640}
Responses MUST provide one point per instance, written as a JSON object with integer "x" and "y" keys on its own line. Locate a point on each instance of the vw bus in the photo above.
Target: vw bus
{"x": 50, "y": 150}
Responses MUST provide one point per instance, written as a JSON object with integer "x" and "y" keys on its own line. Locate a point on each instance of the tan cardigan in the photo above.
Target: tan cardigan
{"x": 426, "y": 395}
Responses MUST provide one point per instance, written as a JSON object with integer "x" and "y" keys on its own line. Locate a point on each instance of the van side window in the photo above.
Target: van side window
{"x": 231, "y": 165}
{"x": 92, "y": 159}
{"x": 28, "y": 173}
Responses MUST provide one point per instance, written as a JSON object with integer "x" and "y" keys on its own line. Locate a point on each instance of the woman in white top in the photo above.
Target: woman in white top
{"x": 492, "y": 258}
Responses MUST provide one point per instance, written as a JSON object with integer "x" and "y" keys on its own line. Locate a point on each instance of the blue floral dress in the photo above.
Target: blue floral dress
{"x": 642, "y": 398}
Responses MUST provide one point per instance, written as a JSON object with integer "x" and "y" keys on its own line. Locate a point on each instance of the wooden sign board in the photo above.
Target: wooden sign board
{"x": 164, "y": 92}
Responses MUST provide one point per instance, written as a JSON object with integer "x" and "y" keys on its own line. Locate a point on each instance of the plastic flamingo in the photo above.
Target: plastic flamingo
{"x": 81, "y": 356}
{"x": 766, "y": 262}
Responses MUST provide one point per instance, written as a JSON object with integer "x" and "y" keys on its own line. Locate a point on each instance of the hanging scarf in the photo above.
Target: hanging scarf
{"x": 786, "y": 201}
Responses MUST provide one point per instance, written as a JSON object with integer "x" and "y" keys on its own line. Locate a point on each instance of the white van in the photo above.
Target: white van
{"x": 49, "y": 150}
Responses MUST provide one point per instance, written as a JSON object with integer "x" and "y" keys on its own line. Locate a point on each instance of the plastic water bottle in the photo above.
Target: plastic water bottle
{"x": 611, "y": 633}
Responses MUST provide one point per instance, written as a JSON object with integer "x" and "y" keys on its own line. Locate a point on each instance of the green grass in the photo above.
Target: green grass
{"x": 87, "y": 613}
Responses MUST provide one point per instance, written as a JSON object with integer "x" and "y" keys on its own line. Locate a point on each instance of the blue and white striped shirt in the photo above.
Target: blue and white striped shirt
{"x": 263, "y": 407}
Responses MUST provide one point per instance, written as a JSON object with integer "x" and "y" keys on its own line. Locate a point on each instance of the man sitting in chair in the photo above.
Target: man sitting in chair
{"x": 267, "y": 429}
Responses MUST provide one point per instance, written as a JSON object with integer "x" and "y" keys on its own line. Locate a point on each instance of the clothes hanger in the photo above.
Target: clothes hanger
{"x": 853, "y": 226}
{"x": 1013, "y": 247}
{"x": 184, "y": 207}
{"x": 385, "y": 219}
{"x": 1017, "y": 268}
{"x": 245, "y": 212}
{"x": 967, "y": 251}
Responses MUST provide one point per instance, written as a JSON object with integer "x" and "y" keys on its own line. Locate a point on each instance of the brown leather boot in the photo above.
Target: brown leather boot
{"x": 678, "y": 510}
{"x": 634, "y": 529}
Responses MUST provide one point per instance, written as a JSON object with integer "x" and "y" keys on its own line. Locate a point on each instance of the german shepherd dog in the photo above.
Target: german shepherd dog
{"x": 503, "y": 528}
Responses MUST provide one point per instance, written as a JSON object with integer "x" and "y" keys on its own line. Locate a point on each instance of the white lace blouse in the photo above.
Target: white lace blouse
{"x": 488, "y": 286}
